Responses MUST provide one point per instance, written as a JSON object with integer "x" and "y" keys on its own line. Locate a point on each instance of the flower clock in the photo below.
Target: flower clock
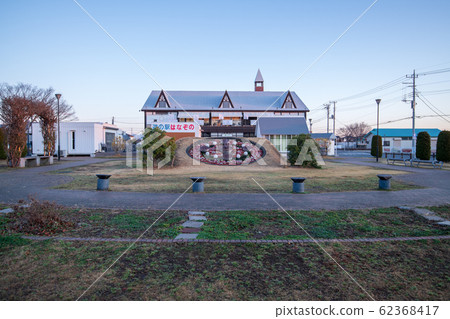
{"x": 226, "y": 152}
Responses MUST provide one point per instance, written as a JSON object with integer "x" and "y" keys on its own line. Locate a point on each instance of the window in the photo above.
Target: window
{"x": 73, "y": 140}
{"x": 162, "y": 104}
{"x": 387, "y": 143}
{"x": 259, "y": 84}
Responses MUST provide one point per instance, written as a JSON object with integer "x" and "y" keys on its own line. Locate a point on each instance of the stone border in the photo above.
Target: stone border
{"x": 238, "y": 241}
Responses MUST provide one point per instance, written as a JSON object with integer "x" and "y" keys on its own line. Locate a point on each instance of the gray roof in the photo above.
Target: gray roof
{"x": 329, "y": 136}
{"x": 208, "y": 100}
{"x": 259, "y": 77}
{"x": 282, "y": 125}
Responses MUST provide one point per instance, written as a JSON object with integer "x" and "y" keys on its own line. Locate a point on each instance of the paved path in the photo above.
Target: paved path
{"x": 19, "y": 184}
{"x": 236, "y": 241}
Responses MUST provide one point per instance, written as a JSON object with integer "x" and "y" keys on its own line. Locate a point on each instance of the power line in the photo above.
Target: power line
{"x": 419, "y": 96}
{"x": 435, "y": 72}
{"x": 374, "y": 90}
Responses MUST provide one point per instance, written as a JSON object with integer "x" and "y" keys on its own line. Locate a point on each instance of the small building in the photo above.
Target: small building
{"x": 219, "y": 113}
{"x": 78, "y": 138}
{"x": 399, "y": 140}
{"x": 326, "y": 141}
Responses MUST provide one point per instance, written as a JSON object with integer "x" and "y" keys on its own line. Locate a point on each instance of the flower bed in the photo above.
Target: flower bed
{"x": 226, "y": 151}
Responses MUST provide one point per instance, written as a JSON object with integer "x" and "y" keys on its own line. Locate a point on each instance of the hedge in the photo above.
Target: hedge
{"x": 423, "y": 147}
{"x": 443, "y": 146}
{"x": 373, "y": 150}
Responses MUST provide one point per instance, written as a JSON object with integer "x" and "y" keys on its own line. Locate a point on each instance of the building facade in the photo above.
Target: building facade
{"x": 399, "y": 140}
{"x": 78, "y": 138}
{"x": 219, "y": 113}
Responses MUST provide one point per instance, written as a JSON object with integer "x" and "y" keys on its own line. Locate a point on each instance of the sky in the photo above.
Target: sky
{"x": 219, "y": 45}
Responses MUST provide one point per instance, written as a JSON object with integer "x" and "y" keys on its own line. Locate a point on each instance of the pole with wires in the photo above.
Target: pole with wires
{"x": 334, "y": 127}
{"x": 327, "y": 106}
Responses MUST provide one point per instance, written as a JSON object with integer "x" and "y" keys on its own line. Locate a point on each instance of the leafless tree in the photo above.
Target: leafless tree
{"x": 354, "y": 131}
{"x": 22, "y": 104}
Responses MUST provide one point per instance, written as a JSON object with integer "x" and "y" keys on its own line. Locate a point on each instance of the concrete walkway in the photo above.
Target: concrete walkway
{"x": 19, "y": 184}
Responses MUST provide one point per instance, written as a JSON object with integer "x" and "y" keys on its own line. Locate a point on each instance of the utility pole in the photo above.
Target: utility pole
{"x": 334, "y": 127}
{"x": 413, "y": 107}
{"x": 310, "y": 126}
{"x": 112, "y": 122}
{"x": 334, "y": 116}
{"x": 327, "y": 106}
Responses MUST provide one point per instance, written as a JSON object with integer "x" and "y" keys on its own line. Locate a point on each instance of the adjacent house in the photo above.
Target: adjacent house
{"x": 78, "y": 138}
{"x": 400, "y": 139}
{"x": 223, "y": 113}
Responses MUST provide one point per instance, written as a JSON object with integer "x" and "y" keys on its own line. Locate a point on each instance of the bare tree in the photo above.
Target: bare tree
{"x": 354, "y": 131}
{"x": 22, "y": 104}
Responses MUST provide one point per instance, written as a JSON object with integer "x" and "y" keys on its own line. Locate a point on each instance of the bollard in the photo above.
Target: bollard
{"x": 384, "y": 181}
{"x": 103, "y": 182}
{"x": 198, "y": 186}
{"x": 297, "y": 184}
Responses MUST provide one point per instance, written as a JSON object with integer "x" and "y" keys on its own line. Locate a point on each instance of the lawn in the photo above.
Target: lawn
{"x": 62, "y": 270}
{"x": 382, "y": 222}
{"x": 334, "y": 177}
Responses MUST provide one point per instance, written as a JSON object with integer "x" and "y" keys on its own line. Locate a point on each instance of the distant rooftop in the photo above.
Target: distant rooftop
{"x": 404, "y": 132}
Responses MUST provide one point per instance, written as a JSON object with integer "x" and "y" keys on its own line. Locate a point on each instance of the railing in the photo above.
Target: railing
{"x": 404, "y": 155}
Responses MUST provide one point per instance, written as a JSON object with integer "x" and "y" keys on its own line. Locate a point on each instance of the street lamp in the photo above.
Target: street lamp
{"x": 58, "y": 96}
{"x": 378, "y": 125}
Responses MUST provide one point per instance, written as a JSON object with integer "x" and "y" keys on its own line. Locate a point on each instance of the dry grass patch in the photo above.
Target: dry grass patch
{"x": 333, "y": 177}
{"x": 62, "y": 271}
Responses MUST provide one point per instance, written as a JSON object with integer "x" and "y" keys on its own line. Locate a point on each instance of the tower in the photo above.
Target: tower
{"x": 259, "y": 82}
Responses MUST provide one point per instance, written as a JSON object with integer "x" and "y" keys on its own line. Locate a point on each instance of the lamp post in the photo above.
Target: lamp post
{"x": 378, "y": 125}
{"x": 58, "y": 96}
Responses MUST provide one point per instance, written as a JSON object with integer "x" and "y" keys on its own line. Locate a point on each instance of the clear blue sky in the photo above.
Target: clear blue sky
{"x": 218, "y": 45}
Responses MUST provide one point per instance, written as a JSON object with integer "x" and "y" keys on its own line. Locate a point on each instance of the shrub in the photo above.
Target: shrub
{"x": 423, "y": 147}
{"x": 3, "y": 154}
{"x": 39, "y": 218}
{"x": 160, "y": 152}
{"x": 294, "y": 151}
{"x": 376, "y": 140}
{"x": 443, "y": 146}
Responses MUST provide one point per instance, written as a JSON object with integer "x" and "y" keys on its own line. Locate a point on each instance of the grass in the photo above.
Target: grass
{"x": 57, "y": 270}
{"x": 335, "y": 177}
{"x": 63, "y": 270}
{"x": 384, "y": 222}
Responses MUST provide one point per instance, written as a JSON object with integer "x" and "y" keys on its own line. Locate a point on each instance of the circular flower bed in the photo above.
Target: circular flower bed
{"x": 226, "y": 151}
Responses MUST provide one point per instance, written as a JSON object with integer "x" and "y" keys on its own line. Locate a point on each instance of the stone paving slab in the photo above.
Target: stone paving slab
{"x": 6, "y": 211}
{"x": 444, "y": 223}
{"x": 186, "y": 236}
{"x": 192, "y": 213}
{"x": 192, "y": 224}
{"x": 197, "y": 217}
{"x": 187, "y": 230}
{"x": 433, "y": 218}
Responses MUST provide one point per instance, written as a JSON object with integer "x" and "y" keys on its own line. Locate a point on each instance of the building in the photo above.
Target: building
{"x": 399, "y": 140}
{"x": 221, "y": 113}
{"x": 78, "y": 138}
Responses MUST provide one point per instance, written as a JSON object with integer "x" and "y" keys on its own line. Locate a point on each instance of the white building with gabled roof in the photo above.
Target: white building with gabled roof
{"x": 219, "y": 113}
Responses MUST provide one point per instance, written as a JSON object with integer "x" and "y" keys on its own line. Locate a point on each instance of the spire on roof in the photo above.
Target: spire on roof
{"x": 259, "y": 77}
{"x": 259, "y": 82}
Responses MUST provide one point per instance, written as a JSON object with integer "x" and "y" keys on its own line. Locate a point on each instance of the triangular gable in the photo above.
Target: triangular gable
{"x": 289, "y": 102}
{"x": 162, "y": 101}
{"x": 226, "y": 103}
